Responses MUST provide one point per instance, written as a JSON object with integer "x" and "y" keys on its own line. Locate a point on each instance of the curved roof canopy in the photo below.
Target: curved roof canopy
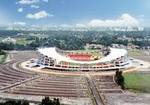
{"x": 51, "y": 52}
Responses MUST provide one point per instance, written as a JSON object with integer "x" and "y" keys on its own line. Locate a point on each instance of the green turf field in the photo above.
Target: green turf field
{"x": 23, "y": 41}
{"x": 138, "y": 82}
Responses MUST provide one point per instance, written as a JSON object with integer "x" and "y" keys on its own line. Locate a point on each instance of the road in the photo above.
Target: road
{"x": 94, "y": 92}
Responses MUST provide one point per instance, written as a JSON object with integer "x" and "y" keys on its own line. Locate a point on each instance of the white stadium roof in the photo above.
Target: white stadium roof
{"x": 51, "y": 52}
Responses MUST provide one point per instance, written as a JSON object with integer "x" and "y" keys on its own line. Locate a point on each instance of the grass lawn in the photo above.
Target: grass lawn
{"x": 2, "y": 58}
{"x": 23, "y": 41}
{"x": 138, "y": 82}
{"x": 135, "y": 53}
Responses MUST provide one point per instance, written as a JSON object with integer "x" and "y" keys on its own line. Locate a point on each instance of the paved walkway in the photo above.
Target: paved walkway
{"x": 94, "y": 92}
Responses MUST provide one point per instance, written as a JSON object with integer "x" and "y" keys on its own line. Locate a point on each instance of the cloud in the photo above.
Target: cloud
{"x": 35, "y": 6}
{"x": 80, "y": 25}
{"x": 20, "y": 23}
{"x": 27, "y": 2}
{"x": 45, "y": 0}
{"x": 141, "y": 18}
{"x": 123, "y": 20}
{"x": 39, "y": 15}
{"x": 65, "y": 25}
{"x": 20, "y": 10}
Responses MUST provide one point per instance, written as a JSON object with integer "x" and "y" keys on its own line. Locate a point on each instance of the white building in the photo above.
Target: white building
{"x": 55, "y": 58}
{"x": 9, "y": 40}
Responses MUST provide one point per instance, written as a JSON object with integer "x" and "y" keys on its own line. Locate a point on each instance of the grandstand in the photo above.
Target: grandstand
{"x": 54, "y": 86}
{"x": 10, "y": 76}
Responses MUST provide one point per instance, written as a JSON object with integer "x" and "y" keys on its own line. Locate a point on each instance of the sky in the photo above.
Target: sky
{"x": 75, "y": 12}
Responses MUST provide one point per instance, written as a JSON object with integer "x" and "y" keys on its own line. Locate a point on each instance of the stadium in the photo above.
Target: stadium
{"x": 54, "y": 76}
{"x": 100, "y": 60}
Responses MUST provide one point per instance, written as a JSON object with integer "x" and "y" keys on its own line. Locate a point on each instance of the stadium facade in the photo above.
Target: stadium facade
{"x": 58, "y": 59}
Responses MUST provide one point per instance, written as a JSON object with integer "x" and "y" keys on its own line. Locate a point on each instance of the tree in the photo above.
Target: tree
{"x": 56, "y": 101}
{"x": 47, "y": 101}
{"x": 25, "y": 103}
{"x": 119, "y": 79}
{"x": 15, "y": 102}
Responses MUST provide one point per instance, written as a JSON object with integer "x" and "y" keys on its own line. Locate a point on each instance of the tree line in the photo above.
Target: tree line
{"x": 45, "y": 101}
{"x": 76, "y": 40}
